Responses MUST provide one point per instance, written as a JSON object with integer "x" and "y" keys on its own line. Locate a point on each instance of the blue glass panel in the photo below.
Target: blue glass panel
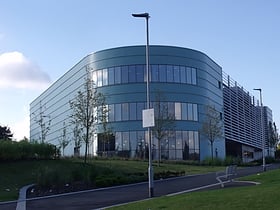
{"x": 155, "y": 73}
{"x": 183, "y": 74}
{"x": 117, "y": 75}
{"x": 169, "y": 73}
{"x": 124, "y": 70}
{"x": 111, "y": 76}
{"x": 162, "y": 73}
{"x": 105, "y": 77}
{"x": 132, "y": 74}
{"x": 176, "y": 70}
{"x": 139, "y": 73}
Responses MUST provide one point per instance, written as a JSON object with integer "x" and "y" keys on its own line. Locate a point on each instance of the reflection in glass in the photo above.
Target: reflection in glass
{"x": 189, "y": 75}
{"x": 183, "y": 74}
{"x": 139, "y": 73}
{"x": 132, "y": 74}
{"x": 169, "y": 73}
{"x": 105, "y": 77}
{"x": 111, "y": 76}
{"x": 124, "y": 71}
{"x": 118, "y": 75}
{"x": 176, "y": 70}
{"x": 162, "y": 73}
{"x": 193, "y": 76}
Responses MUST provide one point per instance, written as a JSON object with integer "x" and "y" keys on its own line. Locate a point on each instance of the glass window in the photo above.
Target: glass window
{"x": 125, "y": 141}
{"x": 191, "y": 140}
{"x": 185, "y": 135}
{"x": 196, "y": 140}
{"x": 176, "y": 70}
{"x": 195, "y": 112}
{"x": 179, "y": 140}
{"x": 124, "y": 70}
{"x": 193, "y": 76}
{"x": 189, "y": 75}
{"x": 171, "y": 108}
{"x": 178, "y": 113}
{"x": 99, "y": 78}
{"x": 125, "y": 111}
{"x": 118, "y": 141}
{"x": 183, "y": 74}
{"x": 162, "y": 73}
{"x": 118, "y": 112}
{"x": 117, "y": 75}
{"x": 140, "y": 107}
{"x": 94, "y": 77}
{"x": 190, "y": 112}
{"x": 111, "y": 76}
{"x": 140, "y": 137}
{"x": 139, "y": 73}
{"x": 105, "y": 77}
{"x": 131, "y": 74}
{"x": 132, "y": 111}
{"x": 111, "y": 113}
{"x": 184, "y": 111}
{"x": 155, "y": 73}
{"x": 169, "y": 73}
{"x": 133, "y": 142}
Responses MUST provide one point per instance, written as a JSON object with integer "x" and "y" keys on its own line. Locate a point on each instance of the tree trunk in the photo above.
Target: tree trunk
{"x": 86, "y": 149}
{"x": 212, "y": 155}
{"x": 159, "y": 152}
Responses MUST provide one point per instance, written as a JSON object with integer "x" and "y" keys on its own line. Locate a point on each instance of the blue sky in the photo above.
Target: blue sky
{"x": 41, "y": 40}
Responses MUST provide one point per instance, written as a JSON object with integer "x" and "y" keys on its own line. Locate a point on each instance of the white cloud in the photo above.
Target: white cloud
{"x": 18, "y": 72}
{"x": 20, "y": 129}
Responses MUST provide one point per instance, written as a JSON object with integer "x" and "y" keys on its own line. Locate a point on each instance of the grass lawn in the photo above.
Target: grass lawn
{"x": 14, "y": 175}
{"x": 263, "y": 196}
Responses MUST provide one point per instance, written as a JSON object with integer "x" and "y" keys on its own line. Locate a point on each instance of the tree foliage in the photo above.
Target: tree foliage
{"x": 5, "y": 133}
{"x": 212, "y": 126}
{"x": 164, "y": 121}
{"x": 102, "y": 112}
{"x": 63, "y": 140}
{"x": 273, "y": 136}
{"x": 84, "y": 107}
{"x": 44, "y": 121}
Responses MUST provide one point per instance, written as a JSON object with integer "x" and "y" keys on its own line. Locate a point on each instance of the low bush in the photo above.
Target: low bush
{"x": 23, "y": 150}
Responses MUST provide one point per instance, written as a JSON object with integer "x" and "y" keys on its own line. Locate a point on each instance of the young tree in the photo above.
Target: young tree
{"x": 164, "y": 121}
{"x": 102, "y": 114}
{"x": 273, "y": 136}
{"x": 44, "y": 121}
{"x": 212, "y": 126}
{"x": 84, "y": 107}
{"x": 77, "y": 138}
{"x": 5, "y": 133}
{"x": 63, "y": 140}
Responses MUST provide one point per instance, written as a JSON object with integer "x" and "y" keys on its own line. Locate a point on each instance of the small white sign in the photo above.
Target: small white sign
{"x": 148, "y": 118}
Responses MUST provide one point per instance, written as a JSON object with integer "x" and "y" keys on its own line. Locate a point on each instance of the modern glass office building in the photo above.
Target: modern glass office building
{"x": 188, "y": 81}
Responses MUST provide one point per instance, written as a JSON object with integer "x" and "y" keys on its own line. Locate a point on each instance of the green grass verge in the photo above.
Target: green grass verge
{"x": 14, "y": 175}
{"x": 263, "y": 196}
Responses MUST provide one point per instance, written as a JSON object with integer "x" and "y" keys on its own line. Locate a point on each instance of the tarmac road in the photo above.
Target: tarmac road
{"x": 101, "y": 198}
{"x": 116, "y": 195}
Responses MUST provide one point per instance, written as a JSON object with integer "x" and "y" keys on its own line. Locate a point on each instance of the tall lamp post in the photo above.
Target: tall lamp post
{"x": 262, "y": 128}
{"x": 150, "y": 168}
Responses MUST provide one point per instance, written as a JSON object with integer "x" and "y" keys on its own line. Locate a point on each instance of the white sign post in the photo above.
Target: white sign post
{"x": 148, "y": 118}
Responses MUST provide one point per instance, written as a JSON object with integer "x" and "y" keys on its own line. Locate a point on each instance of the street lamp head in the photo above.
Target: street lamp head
{"x": 145, "y": 15}
{"x": 258, "y": 89}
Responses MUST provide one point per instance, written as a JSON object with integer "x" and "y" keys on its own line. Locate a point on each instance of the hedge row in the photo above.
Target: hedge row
{"x": 23, "y": 150}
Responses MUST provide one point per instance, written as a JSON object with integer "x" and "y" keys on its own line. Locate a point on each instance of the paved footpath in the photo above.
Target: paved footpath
{"x": 101, "y": 198}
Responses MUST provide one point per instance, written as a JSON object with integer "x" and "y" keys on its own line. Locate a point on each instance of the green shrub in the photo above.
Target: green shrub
{"x": 23, "y": 150}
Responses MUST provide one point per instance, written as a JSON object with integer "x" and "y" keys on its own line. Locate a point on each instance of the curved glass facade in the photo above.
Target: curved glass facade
{"x": 187, "y": 79}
